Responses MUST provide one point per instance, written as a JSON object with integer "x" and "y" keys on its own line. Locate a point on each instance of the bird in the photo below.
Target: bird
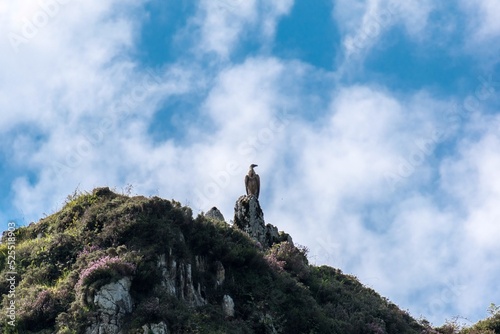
{"x": 252, "y": 182}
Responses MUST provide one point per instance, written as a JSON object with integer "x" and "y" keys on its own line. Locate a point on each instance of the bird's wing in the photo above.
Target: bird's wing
{"x": 246, "y": 183}
{"x": 258, "y": 184}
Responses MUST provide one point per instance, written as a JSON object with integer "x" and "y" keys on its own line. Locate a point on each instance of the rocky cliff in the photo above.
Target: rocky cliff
{"x": 108, "y": 263}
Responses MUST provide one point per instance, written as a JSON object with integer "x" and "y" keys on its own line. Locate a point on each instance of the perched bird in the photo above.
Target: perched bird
{"x": 252, "y": 182}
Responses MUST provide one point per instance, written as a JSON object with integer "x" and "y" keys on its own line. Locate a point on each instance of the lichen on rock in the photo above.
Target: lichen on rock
{"x": 113, "y": 302}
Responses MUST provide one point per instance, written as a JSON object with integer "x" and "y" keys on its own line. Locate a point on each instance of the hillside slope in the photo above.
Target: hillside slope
{"x": 108, "y": 263}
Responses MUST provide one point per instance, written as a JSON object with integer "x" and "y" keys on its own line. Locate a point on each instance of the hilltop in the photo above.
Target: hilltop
{"x": 110, "y": 263}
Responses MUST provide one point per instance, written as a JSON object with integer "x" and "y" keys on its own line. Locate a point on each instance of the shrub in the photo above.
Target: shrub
{"x": 39, "y": 308}
{"x": 104, "y": 270}
{"x": 293, "y": 259}
{"x": 149, "y": 310}
{"x": 274, "y": 263}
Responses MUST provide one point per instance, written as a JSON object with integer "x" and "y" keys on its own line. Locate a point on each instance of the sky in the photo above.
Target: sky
{"x": 375, "y": 125}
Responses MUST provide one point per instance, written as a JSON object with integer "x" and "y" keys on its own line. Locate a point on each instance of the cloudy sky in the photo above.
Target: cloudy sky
{"x": 375, "y": 125}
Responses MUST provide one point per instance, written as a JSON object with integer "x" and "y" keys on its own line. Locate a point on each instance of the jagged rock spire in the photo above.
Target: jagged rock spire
{"x": 249, "y": 217}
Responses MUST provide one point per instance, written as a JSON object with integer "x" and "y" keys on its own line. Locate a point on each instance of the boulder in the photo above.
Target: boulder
{"x": 228, "y": 306}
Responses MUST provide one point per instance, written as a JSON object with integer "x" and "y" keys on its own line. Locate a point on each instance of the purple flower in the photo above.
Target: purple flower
{"x": 274, "y": 263}
{"x": 102, "y": 265}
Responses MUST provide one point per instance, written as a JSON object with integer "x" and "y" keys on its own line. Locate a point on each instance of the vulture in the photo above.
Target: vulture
{"x": 252, "y": 182}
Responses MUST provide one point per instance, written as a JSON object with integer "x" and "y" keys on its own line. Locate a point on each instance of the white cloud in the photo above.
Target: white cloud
{"x": 479, "y": 189}
{"x": 363, "y": 23}
{"x": 66, "y": 53}
{"x": 470, "y": 178}
{"x": 415, "y": 243}
{"x": 481, "y": 22}
{"x": 223, "y": 24}
{"x": 73, "y": 83}
{"x": 483, "y": 18}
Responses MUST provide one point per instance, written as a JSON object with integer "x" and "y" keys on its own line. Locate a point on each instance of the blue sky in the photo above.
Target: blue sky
{"x": 375, "y": 125}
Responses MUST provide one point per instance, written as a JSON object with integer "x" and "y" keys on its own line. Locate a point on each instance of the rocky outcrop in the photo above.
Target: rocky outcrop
{"x": 249, "y": 217}
{"x": 113, "y": 302}
{"x": 160, "y": 328}
{"x": 220, "y": 274}
{"x": 178, "y": 279}
{"x": 215, "y": 214}
{"x": 228, "y": 306}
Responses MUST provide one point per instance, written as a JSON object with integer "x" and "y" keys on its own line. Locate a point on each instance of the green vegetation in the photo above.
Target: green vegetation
{"x": 490, "y": 325}
{"x": 98, "y": 238}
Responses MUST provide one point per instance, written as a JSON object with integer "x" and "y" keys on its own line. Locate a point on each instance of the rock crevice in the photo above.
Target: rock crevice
{"x": 178, "y": 279}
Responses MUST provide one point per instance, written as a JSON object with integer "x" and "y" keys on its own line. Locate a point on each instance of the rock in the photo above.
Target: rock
{"x": 214, "y": 213}
{"x": 200, "y": 263}
{"x": 268, "y": 322}
{"x": 177, "y": 278}
{"x": 275, "y": 237}
{"x": 285, "y": 237}
{"x": 228, "y": 306}
{"x": 113, "y": 302}
{"x": 169, "y": 273}
{"x": 192, "y": 296}
{"x": 220, "y": 275}
{"x": 160, "y": 328}
{"x": 272, "y": 233}
{"x": 249, "y": 217}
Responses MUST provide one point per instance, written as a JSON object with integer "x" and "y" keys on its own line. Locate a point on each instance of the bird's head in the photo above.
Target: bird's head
{"x": 253, "y": 165}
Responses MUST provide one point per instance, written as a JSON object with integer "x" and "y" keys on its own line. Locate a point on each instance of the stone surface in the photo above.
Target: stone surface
{"x": 214, "y": 213}
{"x": 220, "y": 273}
{"x": 268, "y": 320}
{"x": 228, "y": 306}
{"x": 249, "y": 217}
{"x": 169, "y": 273}
{"x": 113, "y": 302}
{"x": 178, "y": 279}
{"x": 160, "y": 328}
{"x": 200, "y": 263}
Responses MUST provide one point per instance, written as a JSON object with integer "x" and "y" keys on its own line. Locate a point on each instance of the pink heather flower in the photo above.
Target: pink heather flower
{"x": 104, "y": 263}
{"x": 273, "y": 262}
